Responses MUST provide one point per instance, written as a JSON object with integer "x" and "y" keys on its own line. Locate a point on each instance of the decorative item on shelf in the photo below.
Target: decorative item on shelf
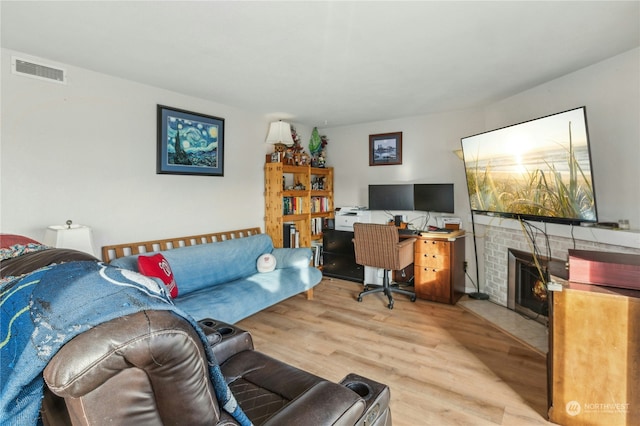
{"x": 317, "y": 145}
{"x": 317, "y": 184}
{"x": 304, "y": 159}
{"x": 280, "y": 136}
{"x": 294, "y": 154}
{"x": 76, "y": 237}
{"x": 624, "y": 224}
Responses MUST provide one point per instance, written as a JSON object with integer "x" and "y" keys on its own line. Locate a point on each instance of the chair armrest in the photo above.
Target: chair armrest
{"x": 405, "y": 252}
{"x": 225, "y": 340}
{"x": 325, "y": 403}
{"x": 406, "y": 241}
{"x": 292, "y": 257}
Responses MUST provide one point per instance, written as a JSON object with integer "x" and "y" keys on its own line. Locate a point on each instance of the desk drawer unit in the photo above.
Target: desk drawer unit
{"x": 436, "y": 269}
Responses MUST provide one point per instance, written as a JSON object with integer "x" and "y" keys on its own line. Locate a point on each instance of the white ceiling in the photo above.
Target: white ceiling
{"x": 327, "y": 63}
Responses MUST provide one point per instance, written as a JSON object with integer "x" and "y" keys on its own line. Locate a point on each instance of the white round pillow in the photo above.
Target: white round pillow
{"x": 266, "y": 263}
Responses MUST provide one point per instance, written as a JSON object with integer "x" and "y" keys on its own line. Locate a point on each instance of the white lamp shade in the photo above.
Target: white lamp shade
{"x": 280, "y": 132}
{"x": 77, "y": 237}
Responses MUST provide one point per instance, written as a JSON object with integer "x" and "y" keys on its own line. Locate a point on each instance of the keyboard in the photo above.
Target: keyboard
{"x": 440, "y": 230}
{"x": 407, "y": 232}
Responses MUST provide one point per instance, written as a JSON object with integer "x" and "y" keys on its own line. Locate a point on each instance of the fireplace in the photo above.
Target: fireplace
{"x": 527, "y": 292}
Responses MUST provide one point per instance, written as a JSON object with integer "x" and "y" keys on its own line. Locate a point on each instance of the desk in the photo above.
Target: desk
{"x": 439, "y": 266}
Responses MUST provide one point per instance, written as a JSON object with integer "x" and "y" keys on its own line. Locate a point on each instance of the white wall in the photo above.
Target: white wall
{"x": 86, "y": 151}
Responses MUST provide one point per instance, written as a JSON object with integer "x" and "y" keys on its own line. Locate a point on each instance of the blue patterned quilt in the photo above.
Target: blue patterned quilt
{"x": 41, "y": 311}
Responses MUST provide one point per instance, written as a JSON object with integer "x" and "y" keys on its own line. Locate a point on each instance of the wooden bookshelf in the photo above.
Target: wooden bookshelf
{"x": 298, "y": 195}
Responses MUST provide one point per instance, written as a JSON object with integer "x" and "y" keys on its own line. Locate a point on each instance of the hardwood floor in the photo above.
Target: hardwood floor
{"x": 444, "y": 365}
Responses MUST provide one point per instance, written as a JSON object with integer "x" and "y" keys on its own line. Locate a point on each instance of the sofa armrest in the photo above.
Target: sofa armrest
{"x": 292, "y": 257}
{"x": 325, "y": 403}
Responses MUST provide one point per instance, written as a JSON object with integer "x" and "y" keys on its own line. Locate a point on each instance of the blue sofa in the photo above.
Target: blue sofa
{"x": 220, "y": 280}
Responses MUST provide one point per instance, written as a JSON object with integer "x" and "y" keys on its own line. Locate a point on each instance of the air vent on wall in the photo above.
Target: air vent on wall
{"x": 40, "y": 71}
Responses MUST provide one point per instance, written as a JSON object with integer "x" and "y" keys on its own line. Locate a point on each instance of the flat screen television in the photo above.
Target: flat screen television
{"x": 433, "y": 197}
{"x": 537, "y": 170}
{"x": 391, "y": 197}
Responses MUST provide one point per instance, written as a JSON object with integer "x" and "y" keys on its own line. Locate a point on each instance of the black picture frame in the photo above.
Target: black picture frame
{"x": 201, "y": 148}
{"x": 385, "y": 149}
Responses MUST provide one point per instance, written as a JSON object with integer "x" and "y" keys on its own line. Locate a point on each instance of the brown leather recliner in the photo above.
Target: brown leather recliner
{"x": 150, "y": 368}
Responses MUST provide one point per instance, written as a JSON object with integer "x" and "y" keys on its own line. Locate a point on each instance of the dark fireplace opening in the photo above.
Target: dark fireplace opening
{"x": 527, "y": 283}
{"x": 530, "y": 289}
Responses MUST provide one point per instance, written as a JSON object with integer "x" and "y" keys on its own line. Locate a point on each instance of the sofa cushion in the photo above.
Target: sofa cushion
{"x": 236, "y": 300}
{"x": 205, "y": 265}
{"x": 157, "y": 266}
{"x": 292, "y": 257}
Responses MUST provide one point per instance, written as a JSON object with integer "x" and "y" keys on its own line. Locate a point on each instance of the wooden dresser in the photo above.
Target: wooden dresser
{"x": 439, "y": 267}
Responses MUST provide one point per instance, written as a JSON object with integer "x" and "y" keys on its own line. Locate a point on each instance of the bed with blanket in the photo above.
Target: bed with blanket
{"x": 47, "y": 297}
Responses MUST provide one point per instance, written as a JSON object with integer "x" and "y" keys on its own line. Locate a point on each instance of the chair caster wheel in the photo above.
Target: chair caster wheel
{"x": 413, "y": 298}
{"x": 390, "y": 305}
{"x": 359, "y": 298}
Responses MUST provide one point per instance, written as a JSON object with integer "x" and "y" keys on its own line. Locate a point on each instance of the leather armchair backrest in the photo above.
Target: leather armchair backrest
{"x": 145, "y": 368}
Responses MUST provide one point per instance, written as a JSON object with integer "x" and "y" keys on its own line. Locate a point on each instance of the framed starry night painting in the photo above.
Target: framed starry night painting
{"x": 189, "y": 143}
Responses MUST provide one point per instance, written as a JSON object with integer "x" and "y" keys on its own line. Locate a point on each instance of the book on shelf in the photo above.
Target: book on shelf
{"x": 319, "y": 204}
{"x": 292, "y": 205}
{"x": 295, "y": 238}
{"x": 316, "y": 225}
{"x": 316, "y": 247}
{"x": 288, "y": 230}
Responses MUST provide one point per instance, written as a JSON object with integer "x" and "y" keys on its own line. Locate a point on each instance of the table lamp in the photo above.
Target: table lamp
{"x": 279, "y": 135}
{"x": 76, "y": 237}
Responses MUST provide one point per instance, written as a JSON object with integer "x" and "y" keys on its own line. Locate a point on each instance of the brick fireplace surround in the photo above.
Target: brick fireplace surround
{"x": 495, "y": 236}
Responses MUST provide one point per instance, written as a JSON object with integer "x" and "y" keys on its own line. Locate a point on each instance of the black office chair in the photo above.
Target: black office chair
{"x": 378, "y": 246}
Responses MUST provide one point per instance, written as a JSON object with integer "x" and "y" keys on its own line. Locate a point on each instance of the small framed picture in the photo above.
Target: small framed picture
{"x": 385, "y": 149}
{"x": 189, "y": 143}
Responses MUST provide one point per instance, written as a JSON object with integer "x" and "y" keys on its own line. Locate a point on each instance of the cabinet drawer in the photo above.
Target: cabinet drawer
{"x": 433, "y": 284}
{"x": 432, "y": 246}
{"x": 424, "y": 274}
{"x": 432, "y": 260}
{"x": 343, "y": 267}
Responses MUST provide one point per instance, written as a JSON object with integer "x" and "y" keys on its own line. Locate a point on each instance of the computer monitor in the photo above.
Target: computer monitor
{"x": 391, "y": 197}
{"x": 433, "y": 197}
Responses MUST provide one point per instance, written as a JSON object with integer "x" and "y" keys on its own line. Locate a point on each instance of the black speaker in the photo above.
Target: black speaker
{"x": 398, "y": 219}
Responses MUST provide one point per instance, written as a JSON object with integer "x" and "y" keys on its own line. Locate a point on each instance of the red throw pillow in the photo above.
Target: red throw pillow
{"x": 158, "y": 267}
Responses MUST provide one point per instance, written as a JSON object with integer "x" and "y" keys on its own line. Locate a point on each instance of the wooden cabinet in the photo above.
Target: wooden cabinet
{"x": 593, "y": 369}
{"x": 439, "y": 268}
{"x": 301, "y": 196}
